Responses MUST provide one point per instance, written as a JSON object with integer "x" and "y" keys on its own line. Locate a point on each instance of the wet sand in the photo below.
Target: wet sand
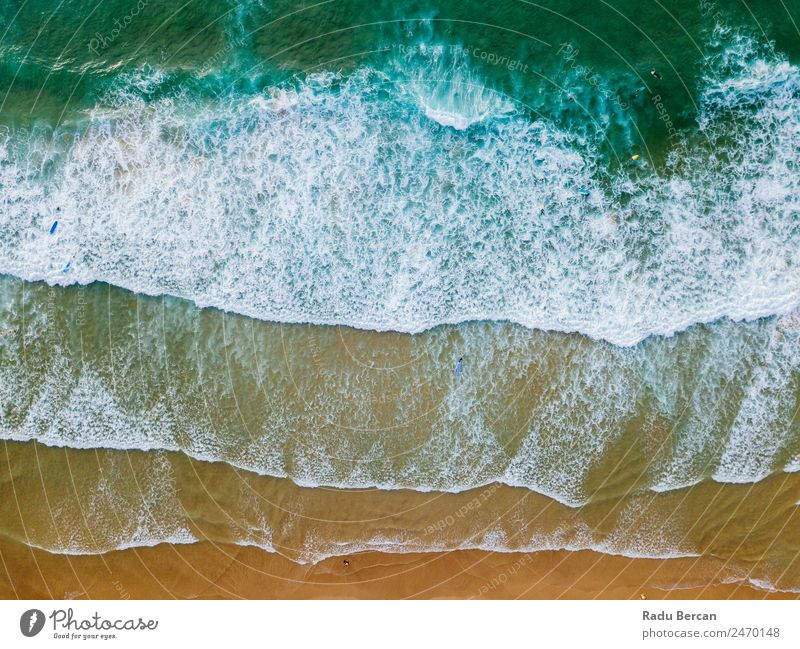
{"x": 61, "y": 500}
{"x": 206, "y": 570}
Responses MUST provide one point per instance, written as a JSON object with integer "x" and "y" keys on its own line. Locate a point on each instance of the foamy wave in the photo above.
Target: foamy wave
{"x": 648, "y": 544}
{"x": 110, "y": 515}
{"x": 341, "y": 202}
{"x": 709, "y": 404}
{"x": 447, "y": 90}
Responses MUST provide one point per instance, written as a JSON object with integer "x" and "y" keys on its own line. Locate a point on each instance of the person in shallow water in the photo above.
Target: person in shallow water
{"x": 459, "y": 365}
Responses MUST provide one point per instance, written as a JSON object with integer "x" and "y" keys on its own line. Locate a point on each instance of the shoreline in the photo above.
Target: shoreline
{"x": 208, "y": 570}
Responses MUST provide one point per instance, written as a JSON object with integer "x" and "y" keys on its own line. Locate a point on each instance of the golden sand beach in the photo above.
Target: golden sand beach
{"x": 207, "y": 570}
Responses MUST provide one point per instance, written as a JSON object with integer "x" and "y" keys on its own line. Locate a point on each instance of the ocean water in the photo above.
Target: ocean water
{"x": 242, "y": 247}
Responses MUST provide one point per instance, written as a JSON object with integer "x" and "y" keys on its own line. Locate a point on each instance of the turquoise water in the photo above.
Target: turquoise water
{"x": 279, "y": 225}
{"x": 557, "y": 206}
{"x": 59, "y": 61}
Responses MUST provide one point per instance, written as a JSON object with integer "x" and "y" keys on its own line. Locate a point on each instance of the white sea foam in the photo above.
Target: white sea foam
{"x": 764, "y": 423}
{"x": 447, "y": 90}
{"x": 639, "y": 534}
{"x": 559, "y": 448}
{"x": 551, "y": 441}
{"x": 340, "y": 202}
{"x": 111, "y": 513}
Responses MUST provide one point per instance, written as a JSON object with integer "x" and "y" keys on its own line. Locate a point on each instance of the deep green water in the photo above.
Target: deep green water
{"x": 58, "y": 59}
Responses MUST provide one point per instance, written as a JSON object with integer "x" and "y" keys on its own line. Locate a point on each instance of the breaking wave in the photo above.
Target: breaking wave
{"x": 407, "y": 199}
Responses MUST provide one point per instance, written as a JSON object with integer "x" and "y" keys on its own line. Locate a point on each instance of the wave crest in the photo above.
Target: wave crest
{"x": 340, "y": 202}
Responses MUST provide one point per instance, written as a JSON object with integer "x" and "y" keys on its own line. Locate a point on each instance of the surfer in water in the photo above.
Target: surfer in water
{"x": 655, "y": 73}
{"x": 459, "y": 366}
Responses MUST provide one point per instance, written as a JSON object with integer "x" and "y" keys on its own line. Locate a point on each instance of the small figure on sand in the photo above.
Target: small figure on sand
{"x": 346, "y": 563}
{"x": 459, "y": 366}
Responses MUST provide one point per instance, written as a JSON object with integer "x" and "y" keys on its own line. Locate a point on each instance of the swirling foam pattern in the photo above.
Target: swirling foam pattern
{"x": 342, "y": 200}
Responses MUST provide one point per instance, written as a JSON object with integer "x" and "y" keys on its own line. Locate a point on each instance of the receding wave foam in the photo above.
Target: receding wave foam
{"x": 547, "y": 413}
{"x": 340, "y": 201}
{"x": 447, "y": 91}
{"x": 105, "y": 512}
